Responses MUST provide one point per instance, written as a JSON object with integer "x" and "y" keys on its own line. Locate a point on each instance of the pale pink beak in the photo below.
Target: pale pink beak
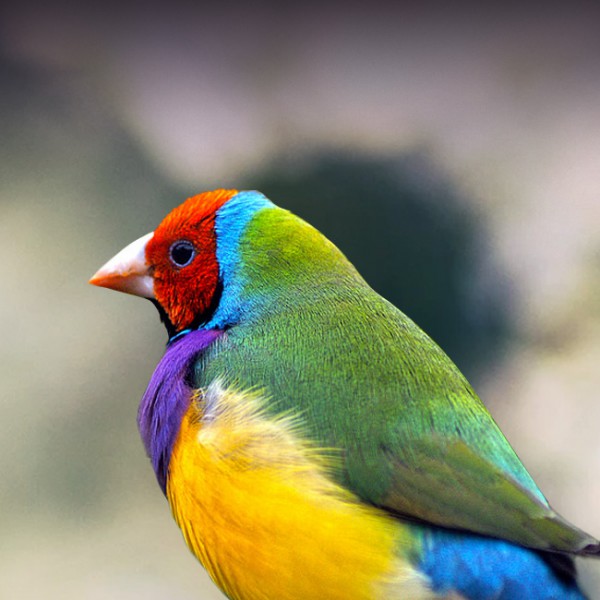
{"x": 128, "y": 271}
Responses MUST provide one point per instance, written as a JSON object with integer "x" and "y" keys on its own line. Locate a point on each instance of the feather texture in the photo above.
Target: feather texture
{"x": 312, "y": 441}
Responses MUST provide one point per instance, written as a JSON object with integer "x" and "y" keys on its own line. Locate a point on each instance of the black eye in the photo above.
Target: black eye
{"x": 182, "y": 253}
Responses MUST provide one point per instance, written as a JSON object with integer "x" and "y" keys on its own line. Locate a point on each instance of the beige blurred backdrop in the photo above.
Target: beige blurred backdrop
{"x": 111, "y": 117}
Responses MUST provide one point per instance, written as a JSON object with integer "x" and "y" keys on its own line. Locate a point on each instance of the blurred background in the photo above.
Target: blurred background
{"x": 453, "y": 156}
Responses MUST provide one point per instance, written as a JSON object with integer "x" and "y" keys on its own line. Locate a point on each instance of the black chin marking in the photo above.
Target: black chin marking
{"x": 171, "y": 331}
{"x": 212, "y": 307}
{"x": 199, "y": 321}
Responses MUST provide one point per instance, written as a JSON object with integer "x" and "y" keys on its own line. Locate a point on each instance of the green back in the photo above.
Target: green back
{"x": 413, "y": 436}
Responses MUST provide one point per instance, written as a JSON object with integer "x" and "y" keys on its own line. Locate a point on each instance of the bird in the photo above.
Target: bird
{"x": 311, "y": 440}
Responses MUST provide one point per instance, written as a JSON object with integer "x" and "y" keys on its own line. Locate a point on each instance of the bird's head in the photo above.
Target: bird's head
{"x": 175, "y": 266}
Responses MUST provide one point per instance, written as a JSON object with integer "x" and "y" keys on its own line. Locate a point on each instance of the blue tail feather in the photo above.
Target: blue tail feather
{"x": 482, "y": 568}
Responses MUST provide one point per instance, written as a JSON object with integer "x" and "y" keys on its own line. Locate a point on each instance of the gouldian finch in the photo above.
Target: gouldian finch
{"x": 313, "y": 443}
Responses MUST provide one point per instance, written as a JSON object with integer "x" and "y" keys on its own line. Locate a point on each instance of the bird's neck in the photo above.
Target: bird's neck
{"x": 277, "y": 258}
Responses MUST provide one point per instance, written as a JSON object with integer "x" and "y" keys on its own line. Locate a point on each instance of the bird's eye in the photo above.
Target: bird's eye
{"x": 182, "y": 253}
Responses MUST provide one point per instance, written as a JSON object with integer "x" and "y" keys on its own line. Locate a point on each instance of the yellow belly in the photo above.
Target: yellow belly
{"x": 257, "y": 508}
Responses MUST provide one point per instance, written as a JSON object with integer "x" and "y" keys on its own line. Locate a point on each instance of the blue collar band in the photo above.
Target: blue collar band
{"x": 177, "y": 336}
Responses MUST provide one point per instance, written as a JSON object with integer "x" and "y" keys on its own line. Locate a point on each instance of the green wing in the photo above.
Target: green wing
{"x": 456, "y": 488}
{"x": 439, "y": 454}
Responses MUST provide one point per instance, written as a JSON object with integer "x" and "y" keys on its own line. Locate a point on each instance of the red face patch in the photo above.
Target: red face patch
{"x": 183, "y": 260}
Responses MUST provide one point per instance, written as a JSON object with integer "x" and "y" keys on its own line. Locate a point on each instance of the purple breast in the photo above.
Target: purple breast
{"x": 168, "y": 396}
